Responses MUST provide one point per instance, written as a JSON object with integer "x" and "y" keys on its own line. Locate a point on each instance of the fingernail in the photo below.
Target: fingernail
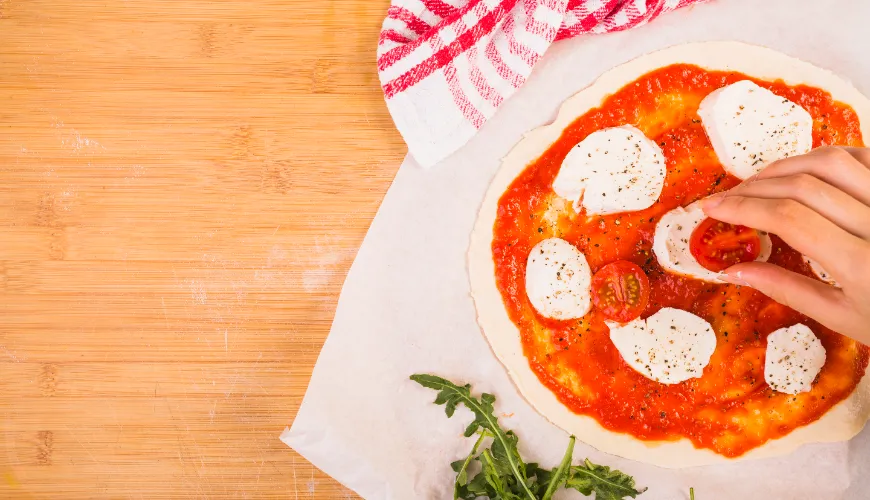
{"x": 735, "y": 278}
{"x": 712, "y": 201}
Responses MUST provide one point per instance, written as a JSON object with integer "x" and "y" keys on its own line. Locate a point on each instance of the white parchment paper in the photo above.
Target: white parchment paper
{"x": 406, "y": 308}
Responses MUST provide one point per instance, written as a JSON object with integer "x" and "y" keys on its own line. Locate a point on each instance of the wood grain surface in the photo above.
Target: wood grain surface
{"x": 183, "y": 185}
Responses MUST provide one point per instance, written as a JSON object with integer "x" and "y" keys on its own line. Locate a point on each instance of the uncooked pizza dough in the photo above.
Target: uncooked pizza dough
{"x": 840, "y": 423}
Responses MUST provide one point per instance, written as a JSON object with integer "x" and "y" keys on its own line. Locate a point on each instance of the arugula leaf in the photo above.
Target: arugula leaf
{"x": 560, "y": 473}
{"x": 606, "y": 483}
{"x": 461, "y": 468}
{"x": 503, "y": 474}
{"x": 504, "y": 443}
{"x": 477, "y": 488}
{"x": 495, "y": 478}
{"x": 542, "y": 479}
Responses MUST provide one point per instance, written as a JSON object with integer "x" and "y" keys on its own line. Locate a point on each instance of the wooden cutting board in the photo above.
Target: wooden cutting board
{"x": 183, "y": 185}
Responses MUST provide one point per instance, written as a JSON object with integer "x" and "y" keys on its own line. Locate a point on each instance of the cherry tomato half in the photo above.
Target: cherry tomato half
{"x": 620, "y": 290}
{"x": 719, "y": 245}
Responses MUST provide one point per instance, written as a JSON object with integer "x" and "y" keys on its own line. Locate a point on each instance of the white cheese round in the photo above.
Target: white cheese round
{"x": 670, "y": 346}
{"x": 612, "y": 170}
{"x": 750, "y": 126}
{"x": 820, "y": 272}
{"x": 558, "y": 280}
{"x": 671, "y": 243}
{"x": 794, "y": 357}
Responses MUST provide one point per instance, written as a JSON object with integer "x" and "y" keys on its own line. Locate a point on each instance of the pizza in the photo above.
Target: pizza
{"x": 597, "y": 277}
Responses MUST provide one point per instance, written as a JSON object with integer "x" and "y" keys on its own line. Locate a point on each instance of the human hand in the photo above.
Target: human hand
{"x": 818, "y": 203}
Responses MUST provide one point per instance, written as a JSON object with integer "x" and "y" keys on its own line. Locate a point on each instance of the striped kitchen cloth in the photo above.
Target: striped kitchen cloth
{"x": 447, "y": 65}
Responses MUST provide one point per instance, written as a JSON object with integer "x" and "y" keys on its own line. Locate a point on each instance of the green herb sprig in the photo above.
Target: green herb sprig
{"x": 502, "y": 473}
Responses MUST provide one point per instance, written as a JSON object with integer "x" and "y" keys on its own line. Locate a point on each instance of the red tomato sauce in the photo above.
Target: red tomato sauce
{"x": 730, "y": 409}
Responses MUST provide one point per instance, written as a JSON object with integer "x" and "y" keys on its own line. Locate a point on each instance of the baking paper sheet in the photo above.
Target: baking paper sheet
{"x": 406, "y": 306}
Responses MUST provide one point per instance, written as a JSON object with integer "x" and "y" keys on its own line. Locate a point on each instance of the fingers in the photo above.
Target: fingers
{"x": 824, "y": 303}
{"x": 860, "y": 154}
{"x": 801, "y": 227}
{"x": 832, "y": 203}
{"x": 818, "y": 203}
{"x": 839, "y": 167}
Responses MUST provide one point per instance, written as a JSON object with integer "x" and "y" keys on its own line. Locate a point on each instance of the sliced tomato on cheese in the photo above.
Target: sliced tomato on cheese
{"x": 718, "y": 245}
{"x": 620, "y": 291}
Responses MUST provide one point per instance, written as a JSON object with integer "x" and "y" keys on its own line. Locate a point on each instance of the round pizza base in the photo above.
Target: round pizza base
{"x": 840, "y": 423}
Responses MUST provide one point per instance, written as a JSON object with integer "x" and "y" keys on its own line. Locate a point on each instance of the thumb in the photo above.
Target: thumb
{"x": 824, "y": 303}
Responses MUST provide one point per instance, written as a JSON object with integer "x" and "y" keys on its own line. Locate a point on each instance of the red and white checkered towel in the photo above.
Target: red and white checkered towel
{"x": 447, "y": 65}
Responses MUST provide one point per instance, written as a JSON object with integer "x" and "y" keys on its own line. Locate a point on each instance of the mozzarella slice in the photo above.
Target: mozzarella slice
{"x": 558, "y": 280}
{"x": 820, "y": 272}
{"x": 612, "y": 170}
{"x": 750, "y": 126}
{"x": 794, "y": 357}
{"x": 670, "y": 346}
{"x": 671, "y": 243}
